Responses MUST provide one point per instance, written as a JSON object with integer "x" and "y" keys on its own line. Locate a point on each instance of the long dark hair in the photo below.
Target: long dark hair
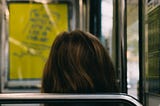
{"x": 78, "y": 63}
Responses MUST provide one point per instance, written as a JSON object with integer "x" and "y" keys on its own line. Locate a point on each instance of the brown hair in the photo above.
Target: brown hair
{"x": 78, "y": 63}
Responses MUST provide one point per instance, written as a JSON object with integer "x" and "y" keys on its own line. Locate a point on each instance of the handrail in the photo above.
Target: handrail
{"x": 20, "y": 98}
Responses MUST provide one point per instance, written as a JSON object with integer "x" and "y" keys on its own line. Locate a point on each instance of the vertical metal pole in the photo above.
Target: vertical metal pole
{"x": 120, "y": 45}
{"x": 141, "y": 88}
{"x": 1, "y": 46}
{"x": 87, "y": 2}
{"x": 84, "y": 15}
{"x": 3, "y": 43}
{"x": 123, "y": 38}
{"x": 81, "y": 14}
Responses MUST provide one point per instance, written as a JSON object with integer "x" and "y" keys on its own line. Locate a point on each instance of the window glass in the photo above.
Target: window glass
{"x": 107, "y": 23}
{"x": 152, "y": 26}
{"x": 132, "y": 47}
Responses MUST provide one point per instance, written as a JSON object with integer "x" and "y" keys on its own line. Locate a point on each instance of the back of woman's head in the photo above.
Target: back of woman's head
{"x": 78, "y": 63}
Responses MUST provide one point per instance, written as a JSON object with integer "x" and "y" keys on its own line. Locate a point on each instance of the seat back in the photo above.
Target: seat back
{"x": 68, "y": 99}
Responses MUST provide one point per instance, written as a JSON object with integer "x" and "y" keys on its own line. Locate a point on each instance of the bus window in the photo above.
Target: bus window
{"x": 107, "y": 24}
{"x": 132, "y": 47}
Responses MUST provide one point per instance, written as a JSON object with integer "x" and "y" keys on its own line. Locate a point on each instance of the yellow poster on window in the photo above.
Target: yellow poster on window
{"x": 32, "y": 29}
